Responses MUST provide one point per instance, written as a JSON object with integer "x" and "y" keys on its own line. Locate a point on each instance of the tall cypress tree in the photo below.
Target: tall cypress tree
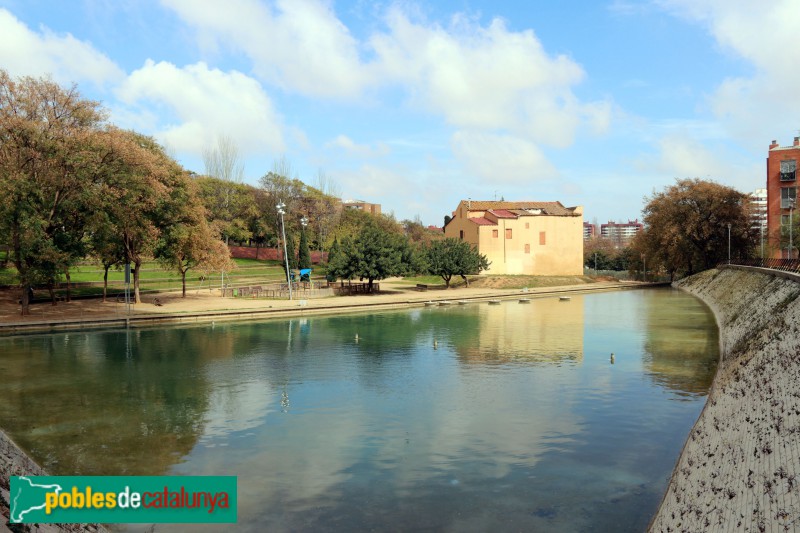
{"x": 303, "y": 255}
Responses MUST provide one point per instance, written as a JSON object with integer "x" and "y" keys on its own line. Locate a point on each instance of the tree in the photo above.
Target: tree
{"x": 106, "y": 247}
{"x": 450, "y": 257}
{"x": 303, "y": 254}
{"x": 192, "y": 244}
{"x": 223, "y": 161}
{"x": 143, "y": 191}
{"x": 603, "y": 254}
{"x": 686, "y": 227}
{"x": 227, "y": 195}
{"x": 373, "y": 254}
{"x": 333, "y": 253}
{"x": 231, "y": 208}
{"x": 48, "y": 176}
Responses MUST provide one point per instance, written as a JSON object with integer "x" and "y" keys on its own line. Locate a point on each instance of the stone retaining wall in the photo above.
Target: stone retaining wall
{"x": 14, "y": 462}
{"x": 740, "y": 467}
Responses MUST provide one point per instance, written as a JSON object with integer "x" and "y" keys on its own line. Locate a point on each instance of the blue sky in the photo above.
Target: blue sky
{"x": 416, "y": 105}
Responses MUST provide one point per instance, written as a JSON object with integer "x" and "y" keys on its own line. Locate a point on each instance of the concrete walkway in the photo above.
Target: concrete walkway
{"x": 86, "y": 314}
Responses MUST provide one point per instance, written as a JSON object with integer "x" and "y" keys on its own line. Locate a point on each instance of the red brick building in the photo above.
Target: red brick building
{"x": 781, "y": 194}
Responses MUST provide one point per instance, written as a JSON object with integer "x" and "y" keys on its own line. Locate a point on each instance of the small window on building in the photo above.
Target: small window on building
{"x": 542, "y": 238}
{"x": 495, "y": 233}
{"x": 527, "y": 248}
{"x": 461, "y": 234}
{"x": 784, "y": 220}
{"x": 508, "y": 233}
{"x": 788, "y": 197}
{"x": 788, "y": 170}
{"x": 527, "y": 225}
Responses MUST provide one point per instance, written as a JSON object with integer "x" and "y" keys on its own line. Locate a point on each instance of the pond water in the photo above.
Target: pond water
{"x": 463, "y": 418}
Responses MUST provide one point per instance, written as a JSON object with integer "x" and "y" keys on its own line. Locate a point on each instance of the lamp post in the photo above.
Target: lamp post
{"x": 304, "y": 223}
{"x": 729, "y": 243}
{"x": 281, "y": 206}
{"x": 791, "y": 208}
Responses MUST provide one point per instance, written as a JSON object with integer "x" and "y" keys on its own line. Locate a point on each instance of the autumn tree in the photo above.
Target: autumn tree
{"x": 686, "y": 227}
{"x": 48, "y": 175}
{"x": 453, "y": 257}
{"x": 141, "y": 192}
{"x": 191, "y": 243}
{"x": 231, "y": 207}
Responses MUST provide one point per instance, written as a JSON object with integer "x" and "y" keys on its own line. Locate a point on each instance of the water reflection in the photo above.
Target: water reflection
{"x": 546, "y": 330}
{"x": 513, "y": 419}
{"x": 681, "y": 338}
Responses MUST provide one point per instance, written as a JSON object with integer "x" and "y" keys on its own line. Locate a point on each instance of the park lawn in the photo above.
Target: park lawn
{"x": 154, "y": 277}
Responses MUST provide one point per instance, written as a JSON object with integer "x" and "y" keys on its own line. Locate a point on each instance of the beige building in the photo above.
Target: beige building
{"x": 361, "y": 205}
{"x": 540, "y": 238}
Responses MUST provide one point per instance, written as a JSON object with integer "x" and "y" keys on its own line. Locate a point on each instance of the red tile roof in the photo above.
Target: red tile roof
{"x": 482, "y": 221}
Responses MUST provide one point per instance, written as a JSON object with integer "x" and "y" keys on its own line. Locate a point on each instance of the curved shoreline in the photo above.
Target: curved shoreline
{"x": 147, "y": 316}
{"x": 740, "y": 466}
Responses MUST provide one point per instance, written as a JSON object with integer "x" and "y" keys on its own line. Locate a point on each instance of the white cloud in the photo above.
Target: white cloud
{"x": 686, "y": 158}
{"x": 371, "y": 181}
{"x": 487, "y": 78}
{"x": 475, "y": 77}
{"x": 298, "y": 45}
{"x": 682, "y": 156}
{"x": 349, "y": 146}
{"x": 205, "y": 103}
{"x": 28, "y": 53}
{"x": 501, "y": 159}
{"x": 765, "y": 35}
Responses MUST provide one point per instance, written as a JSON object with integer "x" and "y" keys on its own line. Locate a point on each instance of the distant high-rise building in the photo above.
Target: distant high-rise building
{"x": 758, "y": 215}
{"x": 781, "y": 194}
{"x": 621, "y": 233}
{"x": 589, "y": 230}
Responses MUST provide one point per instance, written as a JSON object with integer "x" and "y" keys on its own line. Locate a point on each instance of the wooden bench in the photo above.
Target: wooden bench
{"x": 422, "y": 287}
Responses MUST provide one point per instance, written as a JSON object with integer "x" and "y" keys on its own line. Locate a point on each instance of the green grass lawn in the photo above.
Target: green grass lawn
{"x": 153, "y": 277}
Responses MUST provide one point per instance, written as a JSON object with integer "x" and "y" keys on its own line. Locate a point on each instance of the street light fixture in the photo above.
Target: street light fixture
{"x": 281, "y": 211}
{"x": 791, "y": 208}
{"x": 729, "y": 243}
{"x": 304, "y": 223}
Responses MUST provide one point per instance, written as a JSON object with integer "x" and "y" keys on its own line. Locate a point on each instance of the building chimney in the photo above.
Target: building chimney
{"x": 797, "y": 141}
{"x": 773, "y": 145}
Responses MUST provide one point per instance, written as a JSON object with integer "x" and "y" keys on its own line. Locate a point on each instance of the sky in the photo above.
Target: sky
{"x": 418, "y": 105}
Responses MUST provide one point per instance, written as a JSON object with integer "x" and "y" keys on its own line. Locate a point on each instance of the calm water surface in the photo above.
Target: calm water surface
{"x": 466, "y": 418}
